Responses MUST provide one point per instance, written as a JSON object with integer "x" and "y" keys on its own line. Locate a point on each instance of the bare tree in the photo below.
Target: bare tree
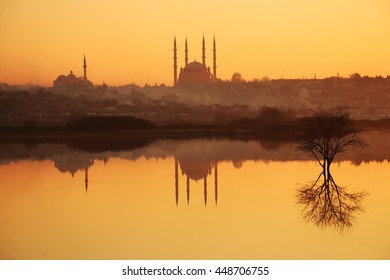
{"x": 328, "y": 133}
{"x": 324, "y": 135}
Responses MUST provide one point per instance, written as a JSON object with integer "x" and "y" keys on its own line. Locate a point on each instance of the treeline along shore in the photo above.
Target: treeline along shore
{"x": 270, "y": 123}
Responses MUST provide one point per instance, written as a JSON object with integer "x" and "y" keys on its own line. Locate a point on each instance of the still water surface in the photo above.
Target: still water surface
{"x": 187, "y": 199}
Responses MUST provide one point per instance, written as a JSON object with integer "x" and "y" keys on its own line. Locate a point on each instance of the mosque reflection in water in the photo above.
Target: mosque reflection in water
{"x": 72, "y": 164}
{"x": 188, "y": 165}
{"x": 193, "y": 170}
{"x": 196, "y": 170}
{"x": 324, "y": 203}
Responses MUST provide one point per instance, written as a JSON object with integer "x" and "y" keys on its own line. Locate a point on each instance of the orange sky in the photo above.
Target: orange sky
{"x": 131, "y": 41}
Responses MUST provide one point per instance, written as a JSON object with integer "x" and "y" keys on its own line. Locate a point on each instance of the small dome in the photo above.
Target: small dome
{"x": 71, "y": 75}
{"x": 61, "y": 78}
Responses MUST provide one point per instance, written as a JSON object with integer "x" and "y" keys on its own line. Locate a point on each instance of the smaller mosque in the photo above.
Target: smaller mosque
{"x": 74, "y": 162}
{"x": 71, "y": 83}
{"x": 194, "y": 73}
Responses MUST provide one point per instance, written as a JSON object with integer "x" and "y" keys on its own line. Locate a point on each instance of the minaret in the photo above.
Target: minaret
{"x": 216, "y": 182}
{"x": 188, "y": 191}
{"x": 186, "y": 53}
{"x": 205, "y": 190}
{"x": 214, "y": 59}
{"x": 174, "y": 62}
{"x": 85, "y": 68}
{"x": 176, "y": 182}
{"x": 86, "y": 177}
{"x": 203, "y": 52}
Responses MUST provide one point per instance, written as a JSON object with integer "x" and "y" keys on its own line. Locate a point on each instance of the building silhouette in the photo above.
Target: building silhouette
{"x": 74, "y": 162}
{"x": 196, "y": 170}
{"x": 71, "y": 83}
{"x": 194, "y": 73}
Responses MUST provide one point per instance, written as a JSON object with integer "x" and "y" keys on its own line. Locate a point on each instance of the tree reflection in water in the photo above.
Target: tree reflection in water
{"x": 327, "y": 204}
{"x": 324, "y": 135}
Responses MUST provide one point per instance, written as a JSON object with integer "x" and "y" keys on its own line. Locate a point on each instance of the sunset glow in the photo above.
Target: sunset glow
{"x": 132, "y": 41}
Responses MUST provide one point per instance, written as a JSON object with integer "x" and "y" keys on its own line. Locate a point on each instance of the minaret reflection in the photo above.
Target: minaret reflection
{"x": 188, "y": 190}
{"x": 216, "y": 182}
{"x": 176, "y": 182}
{"x": 195, "y": 170}
{"x": 205, "y": 190}
{"x": 86, "y": 179}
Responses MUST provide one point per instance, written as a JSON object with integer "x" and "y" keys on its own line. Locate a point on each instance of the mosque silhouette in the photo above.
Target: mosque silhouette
{"x": 196, "y": 170}
{"x": 194, "y": 73}
{"x": 71, "y": 83}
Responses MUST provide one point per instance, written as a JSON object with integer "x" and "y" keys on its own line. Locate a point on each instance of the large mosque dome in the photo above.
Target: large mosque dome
{"x": 195, "y": 67}
{"x": 194, "y": 73}
{"x": 196, "y": 170}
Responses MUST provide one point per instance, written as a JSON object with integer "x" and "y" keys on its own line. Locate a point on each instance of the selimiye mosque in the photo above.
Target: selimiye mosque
{"x": 194, "y": 73}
